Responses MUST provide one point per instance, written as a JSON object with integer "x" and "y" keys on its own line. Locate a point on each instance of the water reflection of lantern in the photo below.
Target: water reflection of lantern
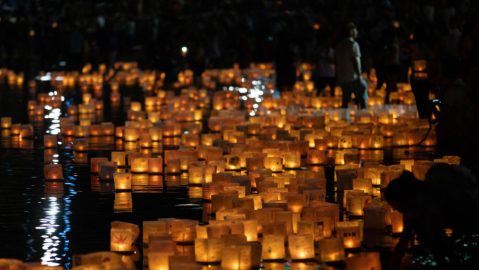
{"x": 53, "y": 172}
{"x": 123, "y": 202}
{"x": 122, "y": 181}
{"x": 363, "y": 260}
{"x": 119, "y": 158}
{"x": 208, "y": 250}
{"x": 95, "y": 163}
{"x": 331, "y": 249}
{"x": 397, "y": 222}
{"x": 301, "y": 246}
{"x": 350, "y": 232}
{"x": 273, "y": 247}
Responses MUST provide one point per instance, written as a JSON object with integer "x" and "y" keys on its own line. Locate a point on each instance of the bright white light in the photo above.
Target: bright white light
{"x": 184, "y": 50}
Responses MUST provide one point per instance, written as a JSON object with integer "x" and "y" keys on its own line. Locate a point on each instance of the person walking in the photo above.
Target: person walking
{"x": 348, "y": 69}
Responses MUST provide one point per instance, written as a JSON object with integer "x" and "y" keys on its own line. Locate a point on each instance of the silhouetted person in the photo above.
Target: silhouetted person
{"x": 348, "y": 69}
{"x": 326, "y": 68}
{"x": 447, "y": 199}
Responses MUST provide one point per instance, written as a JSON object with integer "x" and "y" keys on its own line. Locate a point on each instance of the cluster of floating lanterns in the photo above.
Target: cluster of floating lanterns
{"x": 256, "y": 161}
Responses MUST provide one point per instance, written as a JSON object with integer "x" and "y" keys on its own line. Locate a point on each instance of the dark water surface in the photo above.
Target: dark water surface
{"x": 51, "y": 221}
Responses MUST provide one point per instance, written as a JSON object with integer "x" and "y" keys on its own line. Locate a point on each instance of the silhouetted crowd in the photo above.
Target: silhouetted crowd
{"x": 392, "y": 34}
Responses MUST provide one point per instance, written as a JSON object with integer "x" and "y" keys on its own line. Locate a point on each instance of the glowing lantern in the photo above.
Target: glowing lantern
{"x": 119, "y": 158}
{"x": 331, "y": 249}
{"x": 173, "y": 166}
{"x": 313, "y": 228}
{"x": 363, "y": 184}
{"x": 6, "y": 122}
{"x": 49, "y": 141}
{"x": 155, "y": 165}
{"x": 301, "y": 246}
{"x": 182, "y": 230}
{"x": 80, "y": 144}
{"x": 107, "y": 129}
{"x": 356, "y": 202}
{"x": 208, "y": 250}
{"x": 107, "y": 169}
{"x": 236, "y": 257}
{"x": 397, "y": 222}
{"x": 122, "y": 236}
{"x": 292, "y": 160}
{"x": 139, "y": 165}
{"x": 275, "y": 164}
{"x": 132, "y": 134}
{"x": 26, "y": 131}
{"x": 155, "y": 133}
{"x": 273, "y": 247}
{"x": 122, "y": 181}
{"x": 53, "y": 172}
{"x": 196, "y": 173}
{"x": 350, "y": 232}
{"x": 158, "y": 260}
{"x": 363, "y": 260}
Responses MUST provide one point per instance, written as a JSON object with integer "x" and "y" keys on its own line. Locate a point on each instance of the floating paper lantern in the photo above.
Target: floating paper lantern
{"x": 350, "y": 232}
{"x": 208, "y": 250}
{"x": 139, "y": 165}
{"x": 273, "y": 247}
{"x": 119, "y": 158}
{"x": 156, "y": 134}
{"x": 49, "y": 141}
{"x": 301, "y": 246}
{"x": 309, "y": 227}
{"x": 6, "y": 122}
{"x": 158, "y": 260}
{"x": 122, "y": 181}
{"x": 356, "y": 202}
{"x": 292, "y": 160}
{"x": 53, "y": 172}
{"x": 80, "y": 144}
{"x": 26, "y": 131}
{"x": 121, "y": 239}
{"x": 196, "y": 173}
{"x": 173, "y": 166}
{"x": 155, "y": 165}
{"x": 331, "y": 249}
{"x": 182, "y": 230}
{"x": 106, "y": 171}
{"x": 397, "y": 223}
{"x": 275, "y": 164}
{"x": 131, "y": 134}
{"x": 236, "y": 257}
